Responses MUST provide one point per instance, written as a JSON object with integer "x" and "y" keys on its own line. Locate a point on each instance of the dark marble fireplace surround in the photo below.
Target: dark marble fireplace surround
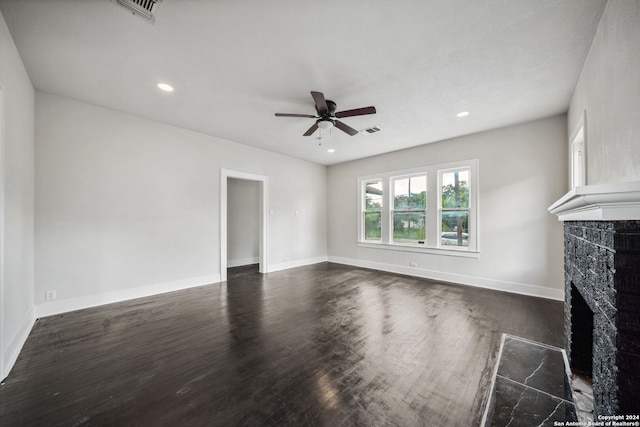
{"x": 602, "y": 262}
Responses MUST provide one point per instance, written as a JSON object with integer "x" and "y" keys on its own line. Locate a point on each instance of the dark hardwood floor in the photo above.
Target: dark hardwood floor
{"x": 325, "y": 345}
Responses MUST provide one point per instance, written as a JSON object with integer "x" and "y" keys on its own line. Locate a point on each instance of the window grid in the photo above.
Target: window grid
{"x": 449, "y": 225}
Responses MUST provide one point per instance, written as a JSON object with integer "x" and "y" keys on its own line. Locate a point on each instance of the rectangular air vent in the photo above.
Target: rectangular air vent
{"x": 145, "y": 9}
{"x": 373, "y": 129}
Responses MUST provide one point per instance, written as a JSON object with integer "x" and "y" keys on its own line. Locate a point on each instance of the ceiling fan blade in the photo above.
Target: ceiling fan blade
{"x": 321, "y": 103}
{"x": 348, "y": 129}
{"x": 311, "y": 130}
{"x": 356, "y": 112}
{"x": 309, "y": 116}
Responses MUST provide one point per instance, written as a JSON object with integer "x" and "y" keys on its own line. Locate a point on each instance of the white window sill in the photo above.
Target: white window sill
{"x": 414, "y": 247}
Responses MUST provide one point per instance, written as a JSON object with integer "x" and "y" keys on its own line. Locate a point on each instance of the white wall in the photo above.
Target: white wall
{"x": 127, "y": 206}
{"x": 16, "y": 197}
{"x": 609, "y": 91}
{"x": 522, "y": 170}
{"x": 243, "y": 222}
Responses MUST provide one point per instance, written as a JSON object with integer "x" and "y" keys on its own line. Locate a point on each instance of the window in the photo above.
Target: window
{"x": 577, "y": 153}
{"x": 430, "y": 209}
{"x": 454, "y": 207}
{"x": 578, "y": 160}
{"x": 409, "y": 208}
{"x": 373, "y": 210}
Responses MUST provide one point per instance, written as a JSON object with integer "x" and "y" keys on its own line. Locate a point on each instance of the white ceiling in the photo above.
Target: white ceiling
{"x": 236, "y": 63}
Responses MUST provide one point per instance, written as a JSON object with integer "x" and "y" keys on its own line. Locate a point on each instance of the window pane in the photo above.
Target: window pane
{"x": 455, "y": 228}
{"x": 410, "y": 193}
{"x": 401, "y": 193}
{"x": 372, "y": 225}
{"x": 455, "y": 189}
{"x": 408, "y": 226}
{"x": 373, "y": 196}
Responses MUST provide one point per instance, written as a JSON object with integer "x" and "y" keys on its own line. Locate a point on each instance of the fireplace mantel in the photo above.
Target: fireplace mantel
{"x": 606, "y": 202}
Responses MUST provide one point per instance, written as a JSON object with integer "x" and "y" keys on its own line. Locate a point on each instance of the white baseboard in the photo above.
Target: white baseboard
{"x": 481, "y": 282}
{"x": 244, "y": 261}
{"x": 297, "y": 263}
{"x": 17, "y": 342}
{"x": 51, "y": 308}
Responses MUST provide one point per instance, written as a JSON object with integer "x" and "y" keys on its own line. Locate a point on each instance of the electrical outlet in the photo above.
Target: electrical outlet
{"x": 413, "y": 264}
{"x": 50, "y": 295}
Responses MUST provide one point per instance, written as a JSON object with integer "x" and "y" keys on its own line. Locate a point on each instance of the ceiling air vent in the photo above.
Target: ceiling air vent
{"x": 373, "y": 129}
{"x": 145, "y": 9}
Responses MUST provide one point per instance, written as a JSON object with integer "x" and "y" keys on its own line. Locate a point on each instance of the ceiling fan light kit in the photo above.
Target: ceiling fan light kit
{"x": 328, "y": 117}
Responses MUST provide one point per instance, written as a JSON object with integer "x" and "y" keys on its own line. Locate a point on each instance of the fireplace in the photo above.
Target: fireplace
{"x": 602, "y": 310}
{"x": 580, "y": 335}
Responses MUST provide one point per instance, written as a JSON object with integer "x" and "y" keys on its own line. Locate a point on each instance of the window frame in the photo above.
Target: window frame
{"x": 441, "y": 209}
{"x": 363, "y": 209}
{"x": 433, "y": 209}
{"x": 392, "y": 209}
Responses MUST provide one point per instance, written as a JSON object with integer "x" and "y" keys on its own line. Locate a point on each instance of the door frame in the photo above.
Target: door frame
{"x": 263, "y": 245}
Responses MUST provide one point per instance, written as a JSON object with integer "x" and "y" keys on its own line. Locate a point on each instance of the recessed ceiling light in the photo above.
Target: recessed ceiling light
{"x": 165, "y": 87}
{"x": 331, "y": 150}
{"x": 462, "y": 114}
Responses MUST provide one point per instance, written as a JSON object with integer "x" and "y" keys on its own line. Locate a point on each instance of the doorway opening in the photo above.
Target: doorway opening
{"x": 235, "y": 188}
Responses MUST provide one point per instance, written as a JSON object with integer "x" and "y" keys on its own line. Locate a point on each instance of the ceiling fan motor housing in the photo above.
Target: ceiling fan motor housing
{"x": 331, "y": 109}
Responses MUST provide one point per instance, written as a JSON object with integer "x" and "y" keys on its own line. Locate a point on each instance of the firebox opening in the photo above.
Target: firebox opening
{"x": 581, "y": 359}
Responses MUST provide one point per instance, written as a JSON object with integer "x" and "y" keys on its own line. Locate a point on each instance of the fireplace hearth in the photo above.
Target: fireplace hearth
{"x": 602, "y": 310}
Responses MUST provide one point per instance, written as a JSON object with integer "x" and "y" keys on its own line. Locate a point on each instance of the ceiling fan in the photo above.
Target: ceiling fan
{"x": 327, "y": 115}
